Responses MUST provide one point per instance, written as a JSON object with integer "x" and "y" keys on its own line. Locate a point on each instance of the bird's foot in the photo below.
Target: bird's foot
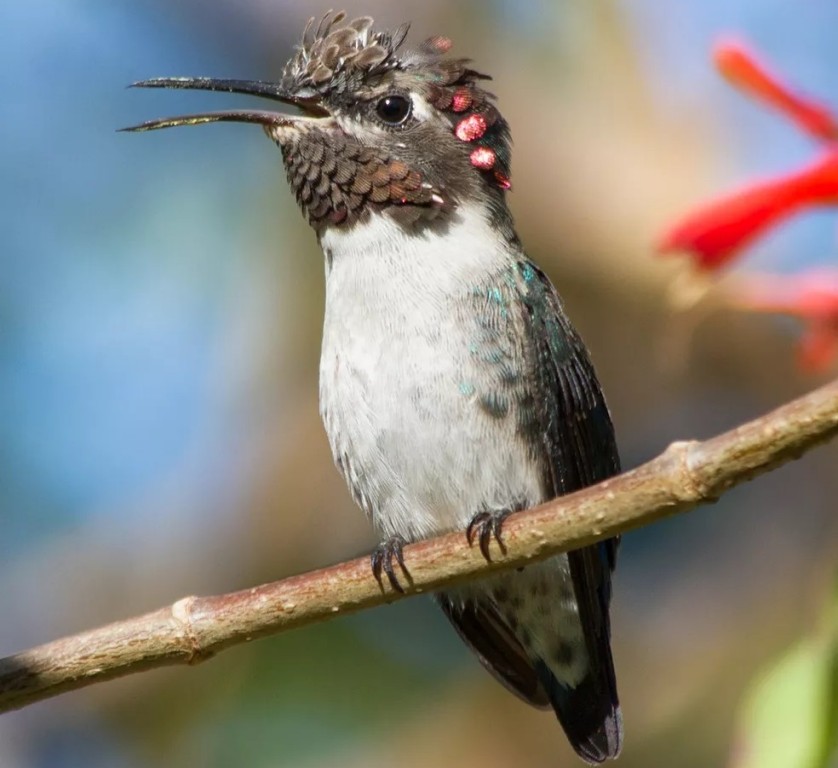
{"x": 382, "y": 558}
{"x": 485, "y": 526}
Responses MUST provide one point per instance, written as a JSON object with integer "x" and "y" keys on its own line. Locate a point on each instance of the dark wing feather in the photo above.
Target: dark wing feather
{"x": 483, "y": 630}
{"x": 570, "y": 419}
{"x": 566, "y": 421}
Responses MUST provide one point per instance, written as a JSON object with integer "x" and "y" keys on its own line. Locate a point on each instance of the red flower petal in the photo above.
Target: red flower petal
{"x": 743, "y": 69}
{"x": 811, "y": 296}
{"x": 818, "y": 347}
{"x": 715, "y": 233}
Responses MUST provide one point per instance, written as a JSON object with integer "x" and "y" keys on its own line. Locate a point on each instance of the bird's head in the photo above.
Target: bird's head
{"x": 408, "y": 133}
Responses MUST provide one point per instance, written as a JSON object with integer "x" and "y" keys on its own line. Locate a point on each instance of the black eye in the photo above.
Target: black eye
{"x": 393, "y": 109}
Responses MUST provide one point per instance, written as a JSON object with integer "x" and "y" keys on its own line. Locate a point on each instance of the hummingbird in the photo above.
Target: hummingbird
{"x": 453, "y": 388}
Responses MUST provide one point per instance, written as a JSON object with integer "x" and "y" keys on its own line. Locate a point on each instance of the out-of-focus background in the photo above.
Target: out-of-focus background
{"x": 160, "y": 309}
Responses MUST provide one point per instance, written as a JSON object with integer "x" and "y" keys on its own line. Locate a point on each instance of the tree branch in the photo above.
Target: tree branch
{"x": 686, "y": 475}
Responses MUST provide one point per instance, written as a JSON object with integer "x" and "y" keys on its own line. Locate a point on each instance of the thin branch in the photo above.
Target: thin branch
{"x": 195, "y": 628}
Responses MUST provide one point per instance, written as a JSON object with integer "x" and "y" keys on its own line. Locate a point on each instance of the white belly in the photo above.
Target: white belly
{"x": 401, "y": 381}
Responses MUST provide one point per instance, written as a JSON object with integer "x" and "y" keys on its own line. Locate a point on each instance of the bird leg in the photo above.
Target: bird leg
{"x": 485, "y": 526}
{"x": 381, "y": 559}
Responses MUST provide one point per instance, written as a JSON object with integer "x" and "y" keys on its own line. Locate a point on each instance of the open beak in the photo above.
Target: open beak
{"x": 268, "y": 90}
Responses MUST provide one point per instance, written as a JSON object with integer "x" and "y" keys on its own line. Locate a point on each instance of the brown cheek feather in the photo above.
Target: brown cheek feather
{"x": 336, "y": 180}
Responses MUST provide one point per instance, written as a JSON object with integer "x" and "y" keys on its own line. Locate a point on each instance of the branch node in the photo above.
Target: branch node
{"x": 687, "y": 486}
{"x": 182, "y": 616}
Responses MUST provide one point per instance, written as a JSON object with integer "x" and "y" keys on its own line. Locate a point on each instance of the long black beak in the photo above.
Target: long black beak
{"x": 268, "y": 90}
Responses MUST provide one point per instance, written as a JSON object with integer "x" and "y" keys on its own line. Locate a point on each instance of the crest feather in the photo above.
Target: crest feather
{"x": 331, "y": 54}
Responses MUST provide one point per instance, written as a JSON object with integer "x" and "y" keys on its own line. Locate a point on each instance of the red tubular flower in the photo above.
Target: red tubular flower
{"x": 715, "y": 233}
{"x": 811, "y": 296}
{"x": 743, "y": 69}
{"x": 818, "y": 348}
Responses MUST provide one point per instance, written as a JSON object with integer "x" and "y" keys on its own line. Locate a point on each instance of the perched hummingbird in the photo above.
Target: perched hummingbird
{"x": 453, "y": 388}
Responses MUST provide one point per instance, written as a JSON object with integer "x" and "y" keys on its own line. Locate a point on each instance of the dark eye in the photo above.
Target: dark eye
{"x": 393, "y": 109}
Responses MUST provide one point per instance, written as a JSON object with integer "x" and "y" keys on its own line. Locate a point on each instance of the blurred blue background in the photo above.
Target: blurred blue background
{"x": 160, "y": 307}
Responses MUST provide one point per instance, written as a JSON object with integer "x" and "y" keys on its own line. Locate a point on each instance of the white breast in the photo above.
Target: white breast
{"x": 399, "y": 383}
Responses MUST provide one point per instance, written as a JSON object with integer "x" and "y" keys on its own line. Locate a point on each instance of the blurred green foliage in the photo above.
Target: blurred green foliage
{"x": 790, "y": 715}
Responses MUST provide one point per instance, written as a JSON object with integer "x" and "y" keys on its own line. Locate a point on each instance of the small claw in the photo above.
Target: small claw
{"x": 486, "y": 539}
{"x": 478, "y": 521}
{"x": 484, "y": 526}
{"x": 497, "y": 529}
{"x": 381, "y": 560}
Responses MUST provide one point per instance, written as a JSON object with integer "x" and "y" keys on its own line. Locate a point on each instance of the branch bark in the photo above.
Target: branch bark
{"x": 193, "y": 629}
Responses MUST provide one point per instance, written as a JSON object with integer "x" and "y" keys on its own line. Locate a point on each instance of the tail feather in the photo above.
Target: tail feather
{"x": 589, "y": 713}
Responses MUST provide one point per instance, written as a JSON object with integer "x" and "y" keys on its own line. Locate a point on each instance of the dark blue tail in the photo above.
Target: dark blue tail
{"x": 589, "y": 713}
